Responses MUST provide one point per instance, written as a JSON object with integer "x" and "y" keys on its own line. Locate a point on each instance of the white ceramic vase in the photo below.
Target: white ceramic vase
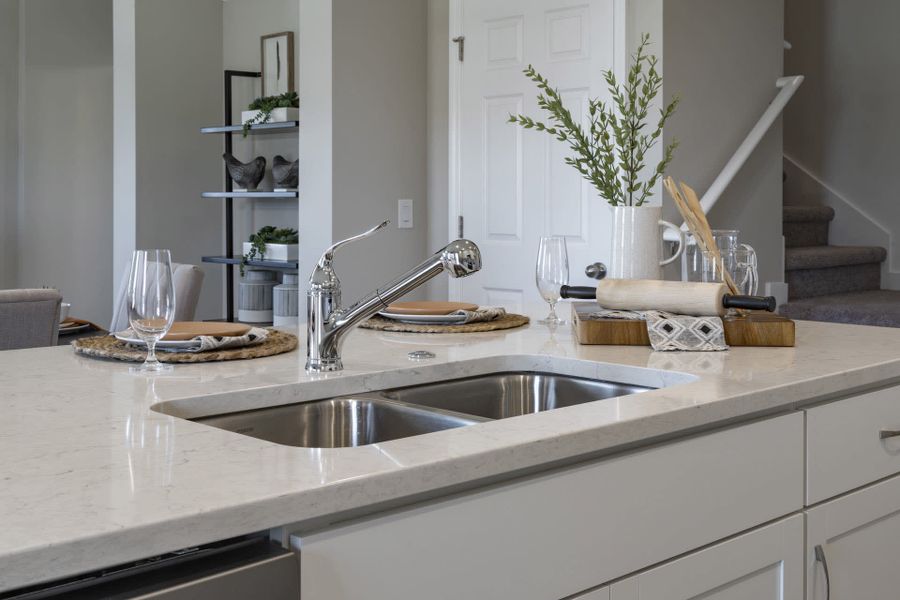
{"x": 637, "y": 244}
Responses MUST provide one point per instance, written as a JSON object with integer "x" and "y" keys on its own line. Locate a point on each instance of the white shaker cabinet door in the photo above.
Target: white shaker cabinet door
{"x": 853, "y": 545}
{"x": 765, "y": 564}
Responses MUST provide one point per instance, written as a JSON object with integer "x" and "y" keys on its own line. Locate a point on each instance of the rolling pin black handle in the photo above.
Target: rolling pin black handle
{"x": 750, "y": 302}
{"x": 577, "y": 292}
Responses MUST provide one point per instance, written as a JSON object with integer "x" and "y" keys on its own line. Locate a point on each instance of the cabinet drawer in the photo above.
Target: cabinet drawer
{"x": 845, "y": 449}
{"x": 554, "y": 535}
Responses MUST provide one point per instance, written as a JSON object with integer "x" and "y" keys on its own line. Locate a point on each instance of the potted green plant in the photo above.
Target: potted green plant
{"x": 272, "y": 243}
{"x": 610, "y": 152}
{"x": 276, "y": 109}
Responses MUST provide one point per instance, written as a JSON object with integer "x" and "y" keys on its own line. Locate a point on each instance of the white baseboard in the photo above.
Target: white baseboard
{"x": 779, "y": 289}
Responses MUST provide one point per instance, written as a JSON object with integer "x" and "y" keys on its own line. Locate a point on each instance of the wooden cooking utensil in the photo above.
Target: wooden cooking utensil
{"x": 691, "y": 210}
{"x": 429, "y": 308}
{"x": 186, "y": 330}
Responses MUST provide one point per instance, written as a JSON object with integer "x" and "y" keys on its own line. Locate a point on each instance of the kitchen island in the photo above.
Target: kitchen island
{"x": 101, "y": 466}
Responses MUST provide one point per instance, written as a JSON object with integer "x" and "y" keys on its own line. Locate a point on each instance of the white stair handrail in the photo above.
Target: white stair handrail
{"x": 787, "y": 88}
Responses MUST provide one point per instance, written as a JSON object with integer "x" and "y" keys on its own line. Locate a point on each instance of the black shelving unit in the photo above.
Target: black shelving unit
{"x": 280, "y": 265}
{"x": 277, "y": 127}
{"x": 228, "y": 129}
{"x": 258, "y": 195}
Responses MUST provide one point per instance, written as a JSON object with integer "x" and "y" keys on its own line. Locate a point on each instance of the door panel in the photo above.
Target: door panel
{"x": 765, "y": 564}
{"x": 860, "y": 538}
{"x": 514, "y": 186}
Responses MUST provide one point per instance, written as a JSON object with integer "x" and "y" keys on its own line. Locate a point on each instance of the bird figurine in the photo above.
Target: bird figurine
{"x": 245, "y": 175}
{"x": 285, "y": 172}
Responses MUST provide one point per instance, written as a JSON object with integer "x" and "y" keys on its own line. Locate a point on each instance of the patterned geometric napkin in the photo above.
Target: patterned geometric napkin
{"x": 483, "y": 314}
{"x": 669, "y": 332}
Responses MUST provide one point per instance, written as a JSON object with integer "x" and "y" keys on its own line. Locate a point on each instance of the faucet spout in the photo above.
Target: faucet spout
{"x": 328, "y": 323}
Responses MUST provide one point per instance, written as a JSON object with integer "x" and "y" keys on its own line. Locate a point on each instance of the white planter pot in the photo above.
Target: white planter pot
{"x": 286, "y": 301}
{"x": 637, "y": 243}
{"x": 279, "y": 115}
{"x": 278, "y": 251}
{"x": 255, "y": 297}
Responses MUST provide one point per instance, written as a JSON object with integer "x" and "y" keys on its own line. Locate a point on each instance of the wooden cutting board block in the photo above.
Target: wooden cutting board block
{"x": 754, "y": 329}
{"x": 760, "y": 329}
{"x": 187, "y": 330}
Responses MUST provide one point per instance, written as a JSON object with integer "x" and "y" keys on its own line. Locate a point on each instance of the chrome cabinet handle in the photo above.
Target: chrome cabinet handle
{"x": 820, "y": 557}
{"x": 886, "y": 434}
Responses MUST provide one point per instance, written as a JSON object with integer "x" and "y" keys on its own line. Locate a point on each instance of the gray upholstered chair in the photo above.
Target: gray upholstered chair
{"x": 188, "y": 280}
{"x": 29, "y": 318}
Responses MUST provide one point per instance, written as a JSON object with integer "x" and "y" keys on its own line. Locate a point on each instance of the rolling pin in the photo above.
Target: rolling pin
{"x": 682, "y": 298}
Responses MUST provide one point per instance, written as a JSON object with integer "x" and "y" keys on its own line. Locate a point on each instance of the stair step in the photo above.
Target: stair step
{"x": 806, "y": 214}
{"x": 877, "y": 307}
{"x": 823, "y": 257}
{"x": 810, "y": 283}
{"x": 806, "y": 225}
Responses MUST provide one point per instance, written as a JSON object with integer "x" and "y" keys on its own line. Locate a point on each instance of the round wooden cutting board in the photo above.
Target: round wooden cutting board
{"x": 428, "y": 308}
{"x": 186, "y": 330}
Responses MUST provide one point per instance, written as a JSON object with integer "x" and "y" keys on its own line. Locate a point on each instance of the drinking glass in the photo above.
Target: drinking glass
{"x": 693, "y": 259}
{"x": 151, "y": 301}
{"x": 551, "y": 273}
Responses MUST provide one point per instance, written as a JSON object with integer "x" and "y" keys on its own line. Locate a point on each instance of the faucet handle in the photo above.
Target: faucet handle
{"x": 328, "y": 255}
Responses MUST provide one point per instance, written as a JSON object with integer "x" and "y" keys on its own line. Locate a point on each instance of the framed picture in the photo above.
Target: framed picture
{"x": 277, "y": 63}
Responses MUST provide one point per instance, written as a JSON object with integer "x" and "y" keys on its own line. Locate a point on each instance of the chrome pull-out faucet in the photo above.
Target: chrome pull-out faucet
{"x": 328, "y": 323}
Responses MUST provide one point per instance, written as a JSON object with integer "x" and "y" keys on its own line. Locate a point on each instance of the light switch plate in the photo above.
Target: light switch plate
{"x": 404, "y": 214}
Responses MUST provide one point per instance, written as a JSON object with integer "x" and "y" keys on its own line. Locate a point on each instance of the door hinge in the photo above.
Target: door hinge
{"x": 460, "y": 227}
{"x": 460, "y": 42}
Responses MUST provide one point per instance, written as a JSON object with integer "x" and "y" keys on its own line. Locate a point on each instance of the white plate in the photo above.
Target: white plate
{"x": 73, "y": 328}
{"x": 425, "y": 319}
{"x": 128, "y": 337}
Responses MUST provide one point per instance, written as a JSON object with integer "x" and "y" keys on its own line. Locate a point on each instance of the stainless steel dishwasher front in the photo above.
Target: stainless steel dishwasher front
{"x": 237, "y": 570}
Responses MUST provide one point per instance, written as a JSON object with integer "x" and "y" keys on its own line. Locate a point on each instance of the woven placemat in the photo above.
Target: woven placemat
{"x": 507, "y": 321}
{"x": 107, "y": 346}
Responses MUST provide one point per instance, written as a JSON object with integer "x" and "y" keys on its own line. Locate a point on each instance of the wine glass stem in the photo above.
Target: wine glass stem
{"x": 151, "y": 353}
{"x": 552, "y": 316}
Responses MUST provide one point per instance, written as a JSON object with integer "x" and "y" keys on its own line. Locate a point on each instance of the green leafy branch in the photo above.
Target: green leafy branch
{"x": 266, "y": 105}
{"x": 267, "y": 235}
{"x": 611, "y": 153}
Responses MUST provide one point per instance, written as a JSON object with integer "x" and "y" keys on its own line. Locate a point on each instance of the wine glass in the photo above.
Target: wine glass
{"x": 551, "y": 273}
{"x": 151, "y": 301}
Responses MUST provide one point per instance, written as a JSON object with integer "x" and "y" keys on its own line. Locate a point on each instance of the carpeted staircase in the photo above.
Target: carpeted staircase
{"x": 840, "y": 284}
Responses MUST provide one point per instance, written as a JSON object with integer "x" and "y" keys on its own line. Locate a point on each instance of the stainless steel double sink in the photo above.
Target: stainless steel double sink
{"x": 393, "y": 414}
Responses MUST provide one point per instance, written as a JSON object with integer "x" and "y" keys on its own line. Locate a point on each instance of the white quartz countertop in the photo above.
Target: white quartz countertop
{"x": 94, "y": 475}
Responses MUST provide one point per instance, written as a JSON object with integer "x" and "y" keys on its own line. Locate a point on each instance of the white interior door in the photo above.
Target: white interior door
{"x": 511, "y": 185}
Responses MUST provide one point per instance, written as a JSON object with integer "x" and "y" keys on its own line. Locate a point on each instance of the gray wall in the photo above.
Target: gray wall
{"x": 723, "y": 57}
{"x": 842, "y": 126}
{"x": 65, "y": 202}
{"x": 316, "y": 143}
{"x": 9, "y": 140}
{"x": 438, "y": 123}
{"x": 379, "y": 136}
{"x": 178, "y": 89}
